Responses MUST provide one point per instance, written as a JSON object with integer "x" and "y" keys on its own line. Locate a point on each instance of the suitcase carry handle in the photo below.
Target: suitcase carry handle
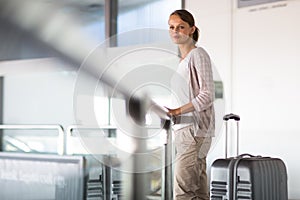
{"x": 246, "y": 154}
{"x": 226, "y": 118}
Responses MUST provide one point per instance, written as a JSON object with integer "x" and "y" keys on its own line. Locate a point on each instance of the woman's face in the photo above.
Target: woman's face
{"x": 179, "y": 30}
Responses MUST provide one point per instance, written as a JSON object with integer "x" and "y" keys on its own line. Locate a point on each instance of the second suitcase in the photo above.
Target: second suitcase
{"x": 248, "y": 177}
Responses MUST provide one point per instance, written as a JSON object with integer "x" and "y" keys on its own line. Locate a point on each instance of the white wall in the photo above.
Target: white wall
{"x": 262, "y": 76}
{"x": 266, "y": 81}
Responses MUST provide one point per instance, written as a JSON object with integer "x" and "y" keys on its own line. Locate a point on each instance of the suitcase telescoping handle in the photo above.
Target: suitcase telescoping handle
{"x": 231, "y": 116}
{"x": 226, "y": 118}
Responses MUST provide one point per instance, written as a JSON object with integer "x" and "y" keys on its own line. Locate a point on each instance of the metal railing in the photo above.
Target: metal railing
{"x": 167, "y": 167}
{"x": 63, "y": 136}
{"x": 61, "y": 139}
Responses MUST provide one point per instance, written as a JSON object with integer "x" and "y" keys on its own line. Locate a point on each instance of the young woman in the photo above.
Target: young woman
{"x": 193, "y": 115}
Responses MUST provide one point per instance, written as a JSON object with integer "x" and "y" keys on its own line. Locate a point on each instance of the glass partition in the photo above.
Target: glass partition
{"x": 140, "y": 66}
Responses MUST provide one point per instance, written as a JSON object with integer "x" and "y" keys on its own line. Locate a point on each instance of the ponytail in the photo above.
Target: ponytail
{"x": 196, "y": 34}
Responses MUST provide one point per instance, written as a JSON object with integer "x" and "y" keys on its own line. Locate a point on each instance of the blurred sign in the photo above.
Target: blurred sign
{"x": 41, "y": 176}
{"x": 245, "y": 3}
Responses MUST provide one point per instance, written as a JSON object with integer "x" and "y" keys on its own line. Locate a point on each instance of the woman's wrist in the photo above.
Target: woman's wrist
{"x": 176, "y": 111}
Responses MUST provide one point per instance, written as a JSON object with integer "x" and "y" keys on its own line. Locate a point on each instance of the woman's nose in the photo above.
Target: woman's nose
{"x": 175, "y": 29}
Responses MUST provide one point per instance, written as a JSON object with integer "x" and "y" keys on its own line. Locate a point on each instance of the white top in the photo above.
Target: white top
{"x": 180, "y": 87}
{"x": 194, "y": 83}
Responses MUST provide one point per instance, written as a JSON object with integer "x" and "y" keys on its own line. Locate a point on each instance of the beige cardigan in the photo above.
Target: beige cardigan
{"x": 202, "y": 92}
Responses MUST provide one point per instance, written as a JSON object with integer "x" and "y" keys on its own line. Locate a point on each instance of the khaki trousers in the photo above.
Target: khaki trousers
{"x": 190, "y": 181}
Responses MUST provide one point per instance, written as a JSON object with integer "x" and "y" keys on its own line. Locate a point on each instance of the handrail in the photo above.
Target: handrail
{"x": 69, "y": 131}
{"x": 162, "y": 112}
{"x": 61, "y": 150}
{"x": 104, "y": 127}
{"x": 70, "y": 128}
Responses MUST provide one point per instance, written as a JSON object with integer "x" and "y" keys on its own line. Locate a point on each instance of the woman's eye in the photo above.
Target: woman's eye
{"x": 171, "y": 27}
{"x": 181, "y": 27}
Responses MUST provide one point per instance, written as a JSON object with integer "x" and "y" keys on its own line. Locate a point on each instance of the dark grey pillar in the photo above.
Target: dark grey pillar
{"x": 111, "y": 21}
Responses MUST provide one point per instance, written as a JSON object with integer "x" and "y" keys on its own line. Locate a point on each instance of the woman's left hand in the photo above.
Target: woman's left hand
{"x": 173, "y": 112}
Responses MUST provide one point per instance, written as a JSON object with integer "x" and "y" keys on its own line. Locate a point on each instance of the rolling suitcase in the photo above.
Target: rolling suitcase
{"x": 246, "y": 176}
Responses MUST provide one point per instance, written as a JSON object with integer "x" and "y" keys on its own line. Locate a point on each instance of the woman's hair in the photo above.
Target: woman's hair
{"x": 187, "y": 17}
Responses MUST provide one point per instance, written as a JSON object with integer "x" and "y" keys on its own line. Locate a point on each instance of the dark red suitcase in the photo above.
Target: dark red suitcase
{"x": 247, "y": 176}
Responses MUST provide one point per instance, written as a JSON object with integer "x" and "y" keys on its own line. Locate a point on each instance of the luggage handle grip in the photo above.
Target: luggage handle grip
{"x": 231, "y": 116}
{"x": 226, "y": 118}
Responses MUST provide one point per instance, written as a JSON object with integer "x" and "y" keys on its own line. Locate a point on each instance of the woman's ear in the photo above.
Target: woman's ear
{"x": 193, "y": 30}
